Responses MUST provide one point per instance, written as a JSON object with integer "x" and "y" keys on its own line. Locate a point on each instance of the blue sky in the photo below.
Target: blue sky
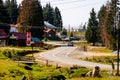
{"x": 74, "y": 12}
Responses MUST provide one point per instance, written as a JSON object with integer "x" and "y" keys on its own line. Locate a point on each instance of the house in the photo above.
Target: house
{"x": 17, "y": 39}
{"x": 3, "y": 37}
{"x": 50, "y": 30}
{"x": 49, "y": 33}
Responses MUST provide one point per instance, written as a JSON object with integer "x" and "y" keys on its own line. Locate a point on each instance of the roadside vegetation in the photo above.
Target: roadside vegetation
{"x": 98, "y": 49}
{"x": 101, "y": 59}
{"x": 11, "y": 70}
{"x": 14, "y": 71}
{"x": 95, "y": 49}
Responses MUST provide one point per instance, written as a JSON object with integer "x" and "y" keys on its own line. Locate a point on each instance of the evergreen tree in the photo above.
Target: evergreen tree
{"x": 31, "y": 15}
{"x": 4, "y": 16}
{"x": 48, "y": 13}
{"x": 92, "y": 33}
{"x": 57, "y": 18}
{"x": 111, "y": 29}
{"x": 53, "y": 16}
{"x": 12, "y": 9}
{"x": 102, "y": 16}
{"x": 107, "y": 19}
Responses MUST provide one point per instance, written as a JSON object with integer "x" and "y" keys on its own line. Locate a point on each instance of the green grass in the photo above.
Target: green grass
{"x": 105, "y": 78}
{"x": 81, "y": 44}
{"x": 14, "y": 71}
{"x": 101, "y": 59}
{"x": 101, "y": 50}
{"x": 10, "y": 70}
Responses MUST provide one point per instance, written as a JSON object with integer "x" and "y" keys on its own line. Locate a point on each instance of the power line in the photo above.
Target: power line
{"x": 37, "y": 27}
{"x": 65, "y": 9}
{"x": 51, "y": 1}
{"x": 58, "y": 2}
{"x": 68, "y": 2}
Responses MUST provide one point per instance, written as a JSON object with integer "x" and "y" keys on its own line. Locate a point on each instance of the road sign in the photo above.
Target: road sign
{"x": 28, "y": 38}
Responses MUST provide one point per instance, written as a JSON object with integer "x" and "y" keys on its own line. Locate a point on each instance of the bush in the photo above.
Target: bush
{"x": 7, "y": 53}
{"x": 12, "y": 53}
{"x": 78, "y": 72}
{"x": 16, "y": 72}
{"x": 2, "y": 74}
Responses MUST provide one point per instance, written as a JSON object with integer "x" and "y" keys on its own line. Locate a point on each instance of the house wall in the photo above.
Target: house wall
{"x": 2, "y": 42}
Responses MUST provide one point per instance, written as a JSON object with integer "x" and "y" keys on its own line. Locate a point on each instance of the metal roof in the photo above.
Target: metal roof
{"x": 48, "y": 25}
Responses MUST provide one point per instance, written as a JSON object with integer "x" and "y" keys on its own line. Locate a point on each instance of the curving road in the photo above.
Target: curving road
{"x": 60, "y": 54}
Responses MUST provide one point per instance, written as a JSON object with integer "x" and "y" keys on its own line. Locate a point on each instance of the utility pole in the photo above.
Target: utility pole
{"x": 117, "y": 15}
{"x": 118, "y": 53}
{"x": 118, "y": 32}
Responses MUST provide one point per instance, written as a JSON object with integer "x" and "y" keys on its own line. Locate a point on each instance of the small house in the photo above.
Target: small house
{"x": 50, "y": 30}
{"x": 17, "y": 39}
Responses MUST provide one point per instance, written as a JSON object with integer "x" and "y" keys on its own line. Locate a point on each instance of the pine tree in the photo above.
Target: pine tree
{"x": 102, "y": 16}
{"x": 4, "y": 16}
{"x": 53, "y": 16}
{"x": 110, "y": 24}
{"x": 92, "y": 33}
{"x": 31, "y": 15}
{"x": 107, "y": 23}
{"x": 12, "y": 9}
{"x": 48, "y": 13}
{"x": 57, "y": 18}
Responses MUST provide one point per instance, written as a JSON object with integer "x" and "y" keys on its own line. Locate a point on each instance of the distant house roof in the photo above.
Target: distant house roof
{"x": 48, "y": 25}
{"x": 2, "y": 34}
{"x": 19, "y": 35}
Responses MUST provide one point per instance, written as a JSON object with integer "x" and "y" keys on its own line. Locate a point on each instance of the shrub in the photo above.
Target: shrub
{"x": 78, "y": 72}
{"x": 2, "y": 74}
{"x": 16, "y": 72}
{"x": 7, "y": 53}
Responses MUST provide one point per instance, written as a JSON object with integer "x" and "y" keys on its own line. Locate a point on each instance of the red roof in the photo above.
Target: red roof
{"x": 47, "y": 30}
{"x": 19, "y": 35}
{"x": 2, "y": 33}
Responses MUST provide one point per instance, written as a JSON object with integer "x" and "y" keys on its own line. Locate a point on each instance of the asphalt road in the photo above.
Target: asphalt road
{"x": 60, "y": 55}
